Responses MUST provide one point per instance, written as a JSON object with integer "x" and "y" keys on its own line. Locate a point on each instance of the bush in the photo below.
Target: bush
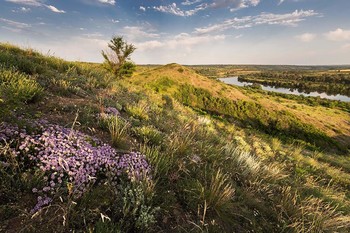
{"x": 136, "y": 209}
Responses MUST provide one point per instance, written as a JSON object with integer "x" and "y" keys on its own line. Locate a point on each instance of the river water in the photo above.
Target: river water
{"x": 234, "y": 81}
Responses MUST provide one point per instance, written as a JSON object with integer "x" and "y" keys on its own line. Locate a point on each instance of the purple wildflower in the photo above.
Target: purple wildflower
{"x": 69, "y": 160}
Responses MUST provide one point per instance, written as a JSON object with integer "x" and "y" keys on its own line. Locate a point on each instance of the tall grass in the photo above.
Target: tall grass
{"x": 311, "y": 214}
{"x": 160, "y": 161}
{"x": 149, "y": 135}
{"x": 212, "y": 197}
{"x": 180, "y": 142}
{"x": 118, "y": 129}
{"x": 139, "y": 110}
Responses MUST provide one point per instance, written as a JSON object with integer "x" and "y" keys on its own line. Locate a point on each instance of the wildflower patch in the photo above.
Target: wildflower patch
{"x": 71, "y": 161}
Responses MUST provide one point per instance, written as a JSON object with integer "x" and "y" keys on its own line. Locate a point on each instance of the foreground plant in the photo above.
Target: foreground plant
{"x": 71, "y": 161}
{"x": 16, "y": 87}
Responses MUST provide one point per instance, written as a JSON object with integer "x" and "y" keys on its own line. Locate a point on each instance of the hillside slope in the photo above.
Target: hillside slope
{"x": 167, "y": 150}
{"x": 277, "y": 117}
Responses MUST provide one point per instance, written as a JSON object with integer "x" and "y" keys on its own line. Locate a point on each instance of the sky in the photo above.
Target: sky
{"x": 292, "y": 32}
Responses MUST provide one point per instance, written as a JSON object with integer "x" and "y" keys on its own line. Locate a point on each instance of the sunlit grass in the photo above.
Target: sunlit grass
{"x": 118, "y": 129}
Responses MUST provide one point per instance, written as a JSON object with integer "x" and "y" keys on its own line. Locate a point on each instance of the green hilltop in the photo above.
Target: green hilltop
{"x": 199, "y": 155}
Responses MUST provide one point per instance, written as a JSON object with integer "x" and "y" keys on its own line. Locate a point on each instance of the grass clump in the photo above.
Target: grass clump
{"x": 16, "y": 87}
{"x": 118, "y": 129}
{"x": 149, "y": 135}
{"x": 311, "y": 214}
{"x": 217, "y": 194}
{"x": 138, "y": 111}
{"x": 160, "y": 161}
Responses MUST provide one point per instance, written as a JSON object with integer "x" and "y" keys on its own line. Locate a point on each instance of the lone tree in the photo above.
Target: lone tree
{"x": 117, "y": 58}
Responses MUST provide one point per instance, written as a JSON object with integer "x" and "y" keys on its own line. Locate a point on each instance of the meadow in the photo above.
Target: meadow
{"x": 169, "y": 149}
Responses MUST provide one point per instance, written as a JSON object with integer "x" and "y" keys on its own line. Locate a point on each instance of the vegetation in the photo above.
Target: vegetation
{"x": 117, "y": 59}
{"x": 332, "y": 83}
{"x": 219, "y": 71}
{"x": 180, "y": 153}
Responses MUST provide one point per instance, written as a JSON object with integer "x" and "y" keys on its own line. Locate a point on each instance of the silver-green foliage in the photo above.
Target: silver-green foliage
{"x": 136, "y": 206}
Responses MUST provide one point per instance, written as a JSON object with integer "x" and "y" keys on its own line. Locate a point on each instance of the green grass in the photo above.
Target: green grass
{"x": 118, "y": 129}
{"x": 16, "y": 87}
{"x": 219, "y": 163}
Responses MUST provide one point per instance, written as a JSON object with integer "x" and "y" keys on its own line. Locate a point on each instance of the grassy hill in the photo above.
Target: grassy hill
{"x": 316, "y": 125}
{"x": 167, "y": 150}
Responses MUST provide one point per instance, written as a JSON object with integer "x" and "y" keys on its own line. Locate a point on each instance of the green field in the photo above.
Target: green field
{"x": 221, "y": 158}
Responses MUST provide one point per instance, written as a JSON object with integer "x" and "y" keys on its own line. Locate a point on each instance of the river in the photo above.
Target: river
{"x": 235, "y": 81}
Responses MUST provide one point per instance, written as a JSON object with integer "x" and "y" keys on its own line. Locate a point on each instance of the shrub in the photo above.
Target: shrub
{"x": 180, "y": 70}
{"x": 64, "y": 87}
{"x": 136, "y": 210}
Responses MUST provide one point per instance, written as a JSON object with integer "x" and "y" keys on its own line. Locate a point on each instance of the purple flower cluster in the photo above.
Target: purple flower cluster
{"x": 72, "y": 161}
{"x": 112, "y": 111}
{"x": 134, "y": 165}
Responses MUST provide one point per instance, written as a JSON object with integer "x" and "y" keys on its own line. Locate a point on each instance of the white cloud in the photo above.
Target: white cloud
{"x": 111, "y": 2}
{"x": 114, "y": 21}
{"x": 15, "y": 24}
{"x": 306, "y": 37}
{"x": 93, "y": 35}
{"x": 338, "y": 35}
{"x": 181, "y": 41}
{"x": 280, "y": 2}
{"x": 288, "y": 19}
{"x": 149, "y": 45}
{"x": 142, "y": 8}
{"x": 185, "y": 39}
{"x": 189, "y": 2}
{"x": 54, "y": 9}
{"x": 174, "y": 10}
{"x": 346, "y": 46}
{"x": 27, "y": 2}
{"x": 136, "y": 33}
{"x": 232, "y": 4}
{"x": 22, "y": 9}
{"x": 236, "y": 23}
{"x": 37, "y": 3}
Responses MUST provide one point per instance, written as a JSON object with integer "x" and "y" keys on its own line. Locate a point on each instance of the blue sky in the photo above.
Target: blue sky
{"x": 184, "y": 31}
